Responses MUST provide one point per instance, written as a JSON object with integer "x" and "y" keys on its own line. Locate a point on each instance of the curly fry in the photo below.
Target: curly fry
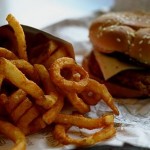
{"x": 51, "y": 114}
{"x": 26, "y": 68}
{"x": 14, "y": 134}
{"x": 99, "y": 91}
{"x": 7, "y": 54}
{"x": 65, "y": 84}
{"x": 10, "y": 71}
{"x": 45, "y": 78}
{"x": 83, "y": 122}
{"x": 60, "y": 52}
{"x": 78, "y": 103}
{"x": 33, "y": 95}
{"x": 19, "y": 111}
{"x": 62, "y": 137}
{"x": 26, "y": 119}
{"x": 14, "y": 99}
{"x": 19, "y": 33}
{"x": 25, "y": 114}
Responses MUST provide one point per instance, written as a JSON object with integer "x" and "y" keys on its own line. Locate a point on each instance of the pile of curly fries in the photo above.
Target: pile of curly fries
{"x": 37, "y": 80}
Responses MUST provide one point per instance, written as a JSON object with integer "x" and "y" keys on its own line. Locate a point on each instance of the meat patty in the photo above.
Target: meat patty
{"x": 133, "y": 79}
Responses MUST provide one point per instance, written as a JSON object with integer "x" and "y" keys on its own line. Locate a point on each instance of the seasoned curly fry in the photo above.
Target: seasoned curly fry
{"x": 10, "y": 71}
{"x": 14, "y": 99}
{"x": 7, "y": 54}
{"x": 78, "y": 103}
{"x": 61, "y": 52}
{"x": 45, "y": 78}
{"x": 51, "y": 114}
{"x": 19, "y": 111}
{"x": 38, "y": 82}
{"x": 26, "y": 68}
{"x": 22, "y": 111}
{"x": 27, "y": 118}
{"x": 62, "y": 137}
{"x": 99, "y": 91}
{"x": 19, "y": 33}
{"x": 60, "y": 81}
{"x": 14, "y": 134}
{"x": 84, "y": 122}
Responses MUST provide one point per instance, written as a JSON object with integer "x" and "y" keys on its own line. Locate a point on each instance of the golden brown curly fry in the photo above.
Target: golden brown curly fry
{"x": 66, "y": 84}
{"x": 14, "y": 134}
{"x": 7, "y": 54}
{"x": 84, "y": 122}
{"x": 19, "y": 33}
{"x": 78, "y": 103}
{"x": 94, "y": 92}
{"x": 43, "y": 73}
{"x": 33, "y": 96}
{"x": 16, "y": 77}
{"x": 103, "y": 134}
{"x": 14, "y": 99}
{"x": 27, "y": 69}
{"x": 51, "y": 114}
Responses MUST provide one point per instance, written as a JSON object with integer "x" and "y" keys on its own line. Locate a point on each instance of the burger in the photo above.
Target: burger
{"x": 120, "y": 55}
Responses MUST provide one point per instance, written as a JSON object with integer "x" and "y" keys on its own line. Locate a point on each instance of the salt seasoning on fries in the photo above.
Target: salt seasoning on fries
{"x": 34, "y": 92}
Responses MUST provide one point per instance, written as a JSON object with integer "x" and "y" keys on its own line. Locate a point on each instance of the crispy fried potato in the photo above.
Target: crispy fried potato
{"x": 83, "y": 122}
{"x": 56, "y": 69}
{"x": 14, "y": 75}
{"x": 26, "y": 119}
{"x": 14, "y": 99}
{"x": 43, "y": 73}
{"x": 62, "y": 137}
{"x": 21, "y": 109}
{"x": 51, "y": 114}
{"x": 94, "y": 92}
{"x": 36, "y": 82}
{"x": 14, "y": 134}
{"x": 61, "y": 52}
{"x": 26, "y": 68}
{"x": 19, "y": 33}
{"x": 78, "y": 103}
{"x": 7, "y": 54}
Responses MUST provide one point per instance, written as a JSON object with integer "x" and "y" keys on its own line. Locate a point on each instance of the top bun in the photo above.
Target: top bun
{"x": 125, "y": 32}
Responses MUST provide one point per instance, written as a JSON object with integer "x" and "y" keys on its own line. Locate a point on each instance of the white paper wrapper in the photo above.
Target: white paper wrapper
{"x": 133, "y": 123}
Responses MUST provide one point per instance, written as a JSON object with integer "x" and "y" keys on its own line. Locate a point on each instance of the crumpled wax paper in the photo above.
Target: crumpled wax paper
{"x": 133, "y": 123}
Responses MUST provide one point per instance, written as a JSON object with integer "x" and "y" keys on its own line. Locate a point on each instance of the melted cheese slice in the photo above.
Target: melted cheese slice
{"x": 111, "y": 66}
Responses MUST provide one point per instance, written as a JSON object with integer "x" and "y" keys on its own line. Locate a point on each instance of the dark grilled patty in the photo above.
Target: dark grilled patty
{"x": 133, "y": 79}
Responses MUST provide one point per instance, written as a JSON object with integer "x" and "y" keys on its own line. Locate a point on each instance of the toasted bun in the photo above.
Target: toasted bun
{"x": 125, "y": 32}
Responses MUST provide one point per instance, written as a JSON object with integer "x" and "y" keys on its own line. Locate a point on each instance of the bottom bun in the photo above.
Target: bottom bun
{"x": 117, "y": 90}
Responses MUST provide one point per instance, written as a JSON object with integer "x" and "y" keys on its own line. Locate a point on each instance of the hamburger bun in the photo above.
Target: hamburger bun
{"x": 125, "y": 32}
{"x": 120, "y": 57}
